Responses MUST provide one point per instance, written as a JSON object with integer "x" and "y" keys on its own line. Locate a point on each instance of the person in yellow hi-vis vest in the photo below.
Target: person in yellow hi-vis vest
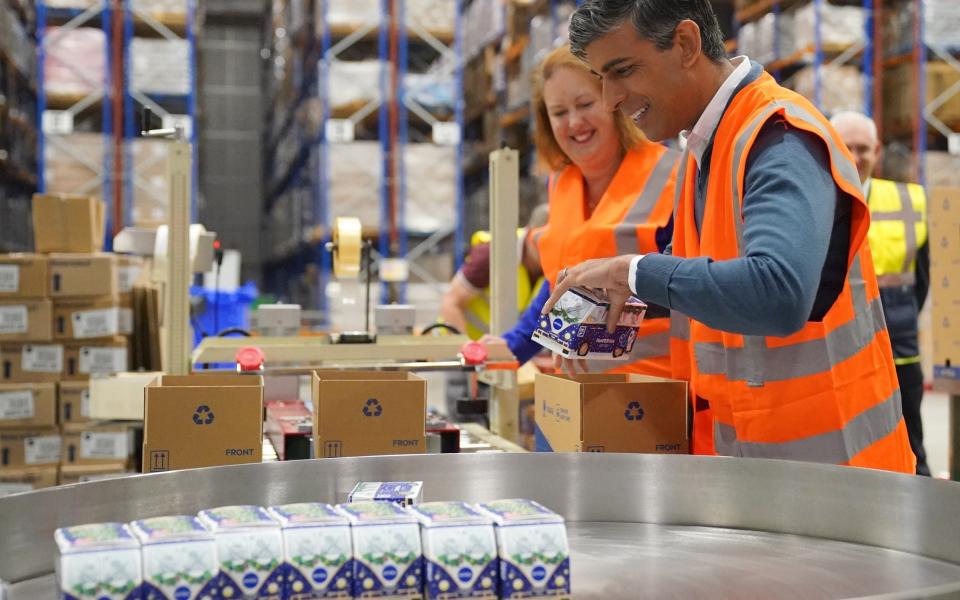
{"x": 901, "y": 257}
{"x": 466, "y": 304}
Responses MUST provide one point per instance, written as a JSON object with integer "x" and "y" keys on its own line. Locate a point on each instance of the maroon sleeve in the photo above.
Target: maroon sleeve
{"x": 476, "y": 268}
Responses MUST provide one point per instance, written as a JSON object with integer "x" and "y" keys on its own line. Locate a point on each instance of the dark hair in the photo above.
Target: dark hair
{"x": 655, "y": 20}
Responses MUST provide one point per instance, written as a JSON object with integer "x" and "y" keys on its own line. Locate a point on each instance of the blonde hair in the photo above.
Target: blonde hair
{"x": 551, "y": 157}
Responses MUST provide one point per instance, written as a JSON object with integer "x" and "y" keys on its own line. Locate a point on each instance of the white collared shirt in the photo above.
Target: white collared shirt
{"x": 697, "y": 139}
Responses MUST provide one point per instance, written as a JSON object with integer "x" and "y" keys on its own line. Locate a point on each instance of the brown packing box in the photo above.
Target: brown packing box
{"x": 83, "y": 473}
{"x": 202, "y": 421}
{"x": 73, "y": 401}
{"x": 944, "y": 223}
{"x": 30, "y": 448}
{"x": 97, "y": 443}
{"x": 26, "y": 320}
{"x": 90, "y": 318}
{"x": 83, "y": 275}
{"x": 27, "y": 479}
{"x": 95, "y": 357}
{"x": 23, "y": 276}
{"x": 130, "y": 271}
{"x": 611, "y": 413}
{"x": 67, "y": 223}
{"x": 367, "y": 413}
{"x": 31, "y": 363}
{"x": 28, "y": 405}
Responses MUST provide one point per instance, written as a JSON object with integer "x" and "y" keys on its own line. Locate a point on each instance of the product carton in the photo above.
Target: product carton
{"x": 363, "y": 413}
{"x": 98, "y": 562}
{"x": 83, "y": 275}
{"x": 249, "y": 550}
{"x": 31, "y": 363}
{"x": 26, "y": 320}
{"x": 95, "y": 357}
{"x": 97, "y": 443}
{"x": 67, "y": 223}
{"x": 87, "y": 318}
{"x": 459, "y": 551}
{"x": 23, "y": 276}
{"x": 28, "y": 405}
{"x": 317, "y": 551}
{"x": 387, "y": 558}
{"x": 179, "y": 558}
{"x": 26, "y": 479}
{"x": 945, "y": 281}
{"x": 86, "y": 473}
{"x": 403, "y": 493}
{"x": 29, "y": 448}
{"x": 534, "y": 554}
{"x": 611, "y": 413}
{"x": 577, "y": 327}
{"x": 202, "y": 421}
{"x": 74, "y": 400}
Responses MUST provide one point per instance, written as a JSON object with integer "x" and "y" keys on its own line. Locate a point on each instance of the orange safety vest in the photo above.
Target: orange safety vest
{"x": 829, "y": 392}
{"x": 637, "y": 202}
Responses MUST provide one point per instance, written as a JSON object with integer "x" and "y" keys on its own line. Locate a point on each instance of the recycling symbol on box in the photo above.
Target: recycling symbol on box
{"x": 372, "y": 408}
{"x": 634, "y": 412}
{"x": 203, "y": 415}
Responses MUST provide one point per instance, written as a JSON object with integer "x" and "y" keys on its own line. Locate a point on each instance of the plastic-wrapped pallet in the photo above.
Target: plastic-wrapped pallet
{"x": 350, "y": 13}
{"x": 941, "y": 23}
{"x": 356, "y": 172}
{"x": 839, "y": 25}
{"x": 786, "y": 33}
{"x": 436, "y": 16}
{"x": 353, "y": 83}
{"x": 486, "y": 19}
{"x": 82, "y": 4}
{"x": 73, "y": 164}
{"x": 942, "y": 169}
{"x": 75, "y": 61}
{"x": 431, "y": 186}
{"x": 841, "y": 87}
{"x": 764, "y": 52}
{"x": 160, "y": 66}
{"x": 162, "y": 10}
{"x": 434, "y": 91}
{"x": 151, "y": 190}
{"x": 746, "y": 39}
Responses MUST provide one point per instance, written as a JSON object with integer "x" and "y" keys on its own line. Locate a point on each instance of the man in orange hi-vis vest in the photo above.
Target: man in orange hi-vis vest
{"x": 787, "y": 344}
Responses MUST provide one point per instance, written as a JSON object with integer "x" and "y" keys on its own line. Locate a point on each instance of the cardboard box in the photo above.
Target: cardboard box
{"x": 95, "y": 357}
{"x": 83, "y": 275}
{"x": 30, "y": 448}
{"x": 27, "y": 479}
{"x": 577, "y": 327}
{"x": 23, "y": 276}
{"x": 28, "y": 405}
{"x": 26, "y": 320}
{"x": 67, "y": 223}
{"x": 130, "y": 269}
{"x": 83, "y": 473}
{"x": 366, "y": 413}
{"x": 100, "y": 557}
{"x": 97, "y": 443}
{"x": 74, "y": 401}
{"x": 611, "y": 413}
{"x": 119, "y": 397}
{"x": 944, "y": 233}
{"x": 179, "y": 558}
{"x": 91, "y": 318}
{"x": 31, "y": 363}
{"x": 202, "y": 421}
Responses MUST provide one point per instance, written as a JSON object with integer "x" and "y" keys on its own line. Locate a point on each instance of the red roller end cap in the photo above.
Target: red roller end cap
{"x": 474, "y": 353}
{"x": 250, "y": 358}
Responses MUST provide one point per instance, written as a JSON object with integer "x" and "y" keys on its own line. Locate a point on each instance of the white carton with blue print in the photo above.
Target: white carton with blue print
{"x": 533, "y": 550}
{"x": 249, "y": 552}
{"x": 459, "y": 551}
{"x": 387, "y": 557}
{"x": 317, "y": 551}
{"x": 576, "y": 327}
{"x": 403, "y": 493}
{"x": 100, "y": 561}
{"x": 179, "y": 558}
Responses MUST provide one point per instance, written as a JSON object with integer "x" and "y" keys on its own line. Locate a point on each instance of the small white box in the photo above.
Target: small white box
{"x": 99, "y": 561}
{"x": 317, "y": 551}
{"x": 249, "y": 550}
{"x": 459, "y": 551}
{"x": 179, "y": 558}
{"x": 403, "y": 493}
{"x": 534, "y": 553}
{"x": 387, "y": 558}
{"x": 577, "y": 327}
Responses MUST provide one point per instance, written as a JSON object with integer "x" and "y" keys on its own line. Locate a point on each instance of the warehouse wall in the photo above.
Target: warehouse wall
{"x": 231, "y": 125}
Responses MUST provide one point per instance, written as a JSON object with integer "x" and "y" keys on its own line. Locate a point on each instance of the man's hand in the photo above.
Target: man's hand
{"x": 608, "y": 274}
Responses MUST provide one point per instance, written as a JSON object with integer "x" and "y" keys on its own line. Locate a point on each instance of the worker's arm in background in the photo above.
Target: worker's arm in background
{"x": 922, "y": 285}
{"x": 453, "y": 305}
{"x": 792, "y": 211}
{"x": 518, "y": 338}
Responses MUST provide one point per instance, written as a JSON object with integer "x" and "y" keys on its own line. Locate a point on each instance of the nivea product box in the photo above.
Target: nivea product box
{"x": 317, "y": 551}
{"x": 576, "y": 327}
{"x": 533, "y": 548}
{"x": 459, "y": 551}
{"x": 179, "y": 558}
{"x": 387, "y": 558}
{"x": 249, "y": 550}
{"x": 403, "y": 493}
{"x": 99, "y": 561}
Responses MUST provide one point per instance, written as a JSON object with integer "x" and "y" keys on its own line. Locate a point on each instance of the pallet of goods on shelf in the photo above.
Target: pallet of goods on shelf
{"x": 151, "y": 190}
{"x": 941, "y": 22}
{"x": 75, "y": 62}
{"x": 486, "y": 19}
{"x": 900, "y": 95}
{"x": 74, "y": 164}
{"x": 160, "y": 66}
{"x": 352, "y": 84}
{"x": 168, "y": 12}
{"x": 843, "y": 92}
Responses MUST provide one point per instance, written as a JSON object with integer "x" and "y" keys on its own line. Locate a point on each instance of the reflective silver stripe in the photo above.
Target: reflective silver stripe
{"x": 651, "y": 346}
{"x": 892, "y": 280}
{"x": 906, "y": 215}
{"x": 738, "y": 156}
{"x": 833, "y": 447}
{"x": 679, "y": 325}
{"x": 625, "y": 232}
{"x": 537, "y": 235}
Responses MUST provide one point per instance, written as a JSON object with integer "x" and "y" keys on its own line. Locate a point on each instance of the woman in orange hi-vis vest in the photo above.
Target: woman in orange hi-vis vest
{"x": 611, "y": 192}
{"x": 787, "y": 341}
